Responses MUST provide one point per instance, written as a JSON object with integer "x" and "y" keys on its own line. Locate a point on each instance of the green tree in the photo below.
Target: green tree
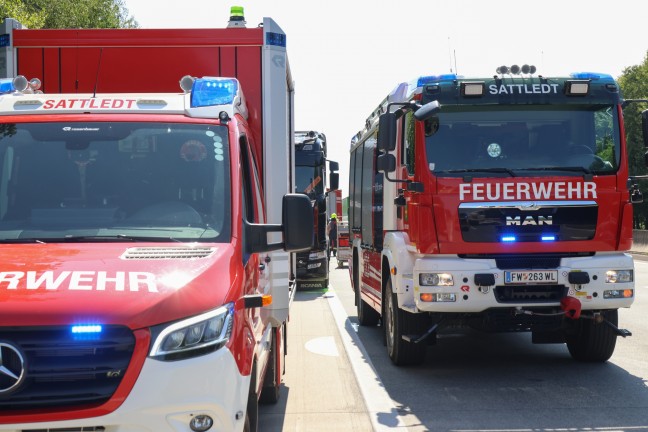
{"x": 68, "y": 13}
{"x": 634, "y": 85}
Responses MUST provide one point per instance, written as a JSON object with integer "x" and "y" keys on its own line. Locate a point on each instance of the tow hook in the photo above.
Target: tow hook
{"x": 420, "y": 338}
{"x": 600, "y": 319}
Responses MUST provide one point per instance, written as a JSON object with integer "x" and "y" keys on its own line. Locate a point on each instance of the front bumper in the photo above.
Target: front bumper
{"x": 467, "y": 296}
{"x": 167, "y": 395}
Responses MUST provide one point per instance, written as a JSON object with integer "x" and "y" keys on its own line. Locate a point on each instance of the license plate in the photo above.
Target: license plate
{"x": 531, "y": 277}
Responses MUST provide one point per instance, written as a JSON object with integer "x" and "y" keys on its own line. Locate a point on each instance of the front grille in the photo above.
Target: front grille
{"x": 64, "y": 370}
{"x": 527, "y": 261}
{"x": 530, "y": 293}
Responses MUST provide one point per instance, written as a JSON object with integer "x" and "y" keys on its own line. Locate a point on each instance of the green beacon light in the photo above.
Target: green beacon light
{"x": 237, "y": 18}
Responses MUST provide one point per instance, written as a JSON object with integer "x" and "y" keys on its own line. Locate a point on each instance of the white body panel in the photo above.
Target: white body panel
{"x": 167, "y": 394}
{"x": 278, "y": 156}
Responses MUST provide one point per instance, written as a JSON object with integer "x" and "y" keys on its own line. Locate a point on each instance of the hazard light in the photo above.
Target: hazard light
{"x": 210, "y": 91}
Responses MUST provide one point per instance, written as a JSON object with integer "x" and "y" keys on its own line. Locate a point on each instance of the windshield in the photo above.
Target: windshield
{"x": 82, "y": 181}
{"x": 308, "y": 180}
{"x": 502, "y": 138}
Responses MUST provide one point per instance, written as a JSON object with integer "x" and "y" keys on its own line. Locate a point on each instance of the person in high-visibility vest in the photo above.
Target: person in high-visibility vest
{"x": 331, "y": 231}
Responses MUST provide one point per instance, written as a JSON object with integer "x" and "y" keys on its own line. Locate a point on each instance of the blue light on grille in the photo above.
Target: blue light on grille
{"x": 213, "y": 91}
{"x": 276, "y": 39}
{"x": 548, "y": 238}
{"x": 86, "y": 329}
{"x": 508, "y": 239}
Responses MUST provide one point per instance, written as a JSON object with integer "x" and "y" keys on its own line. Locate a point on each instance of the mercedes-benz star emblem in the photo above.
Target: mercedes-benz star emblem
{"x": 12, "y": 367}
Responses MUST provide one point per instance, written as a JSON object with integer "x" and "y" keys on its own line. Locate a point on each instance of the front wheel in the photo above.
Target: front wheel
{"x": 593, "y": 341}
{"x": 397, "y": 323}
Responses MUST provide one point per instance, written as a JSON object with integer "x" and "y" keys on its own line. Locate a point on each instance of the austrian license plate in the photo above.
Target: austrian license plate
{"x": 531, "y": 277}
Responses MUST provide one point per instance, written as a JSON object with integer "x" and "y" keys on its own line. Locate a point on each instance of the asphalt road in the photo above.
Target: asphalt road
{"x": 501, "y": 382}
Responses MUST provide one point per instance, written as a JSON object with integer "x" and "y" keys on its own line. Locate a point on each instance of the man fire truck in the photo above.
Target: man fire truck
{"x": 310, "y": 179}
{"x": 499, "y": 203}
{"x": 139, "y": 289}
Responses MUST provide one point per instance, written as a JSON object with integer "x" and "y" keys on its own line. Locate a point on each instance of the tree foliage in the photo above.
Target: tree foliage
{"x": 68, "y": 13}
{"x": 634, "y": 85}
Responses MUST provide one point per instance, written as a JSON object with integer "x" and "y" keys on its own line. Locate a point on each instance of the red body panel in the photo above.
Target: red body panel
{"x": 143, "y": 61}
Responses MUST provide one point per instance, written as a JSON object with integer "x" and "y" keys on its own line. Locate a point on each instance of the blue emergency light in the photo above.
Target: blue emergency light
{"x": 548, "y": 238}
{"x": 208, "y": 91}
{"x": 6, "y": 85}
{"x": 508, "y": 239}
{"x": 590, "y": 75}
{"x": 86, "y": 329}
{"x": 435, "y": 78}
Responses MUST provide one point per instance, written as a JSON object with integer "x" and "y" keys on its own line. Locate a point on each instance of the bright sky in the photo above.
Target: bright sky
{"x": 346, "y": 56}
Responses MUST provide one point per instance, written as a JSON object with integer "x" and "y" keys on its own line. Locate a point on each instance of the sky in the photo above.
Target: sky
{"x": 346, "y": 56}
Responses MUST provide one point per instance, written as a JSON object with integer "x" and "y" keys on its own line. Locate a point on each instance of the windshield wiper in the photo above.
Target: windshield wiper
{"x": 22, "y": 240}
{"x": 487, "y": 170}
{"x": 580, "y": 169}
{"x": 116, "y": 238}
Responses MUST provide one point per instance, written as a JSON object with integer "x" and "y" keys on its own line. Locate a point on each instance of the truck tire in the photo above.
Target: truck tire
{"x": 592, "y": 341}
{"x": 271, "y": 379}
{"x": 397, "y": 323}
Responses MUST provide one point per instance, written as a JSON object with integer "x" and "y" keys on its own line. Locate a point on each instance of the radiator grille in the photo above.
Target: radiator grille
{"x": 66, "y": 371}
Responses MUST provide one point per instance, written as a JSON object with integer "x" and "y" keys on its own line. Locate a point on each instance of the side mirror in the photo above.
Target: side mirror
{"x": 297, "y": 222}
{"x": 386, "y": 163}
{"x": 296, "y": 226}
{"x": 387, "y": 132}
{"x": 427, "y": 111}
{"x": 334, "y": 166}
{"x": 334, "y": 181}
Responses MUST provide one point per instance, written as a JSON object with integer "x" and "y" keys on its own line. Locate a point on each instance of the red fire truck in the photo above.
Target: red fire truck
{"x": 499, "y": 203}
{"x": 145, "y": 275}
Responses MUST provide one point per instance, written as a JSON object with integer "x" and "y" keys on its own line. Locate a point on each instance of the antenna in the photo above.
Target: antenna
{"x": 455, "y": 61}
{"x": 94, "y": 93}
{"x": 450, "y": 54}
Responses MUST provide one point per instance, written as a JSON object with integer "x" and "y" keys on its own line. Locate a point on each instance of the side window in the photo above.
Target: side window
{"x": 351, "y": 188}
{"x": 247, "y": 203}
{"x": 368, "y": 173}
{"x": 357, "y": 180}
{"x": 408, "y": 141}
{"x": 258, "y": 197}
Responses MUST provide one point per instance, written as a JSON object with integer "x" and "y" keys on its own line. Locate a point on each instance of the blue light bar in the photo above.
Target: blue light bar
{"x": 86, "y": 329}
{"x": 5, "y": 40}
{"x": 276, "y": 39}
{"x": 548, "y": 238}
{"x": 435, "y": 78}
{"x": 6, "y": 85}
{"x": 508, "y": 239}
{"x": 213, "y": 91}
{"x": 590, "y": 75}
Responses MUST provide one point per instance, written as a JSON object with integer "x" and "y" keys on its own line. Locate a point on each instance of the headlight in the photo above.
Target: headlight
{"x": 195, "y": 336}
{"x": 436, "y": 279}
{"x": 317, "y": 255}
{"x": 619, "y": 276}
